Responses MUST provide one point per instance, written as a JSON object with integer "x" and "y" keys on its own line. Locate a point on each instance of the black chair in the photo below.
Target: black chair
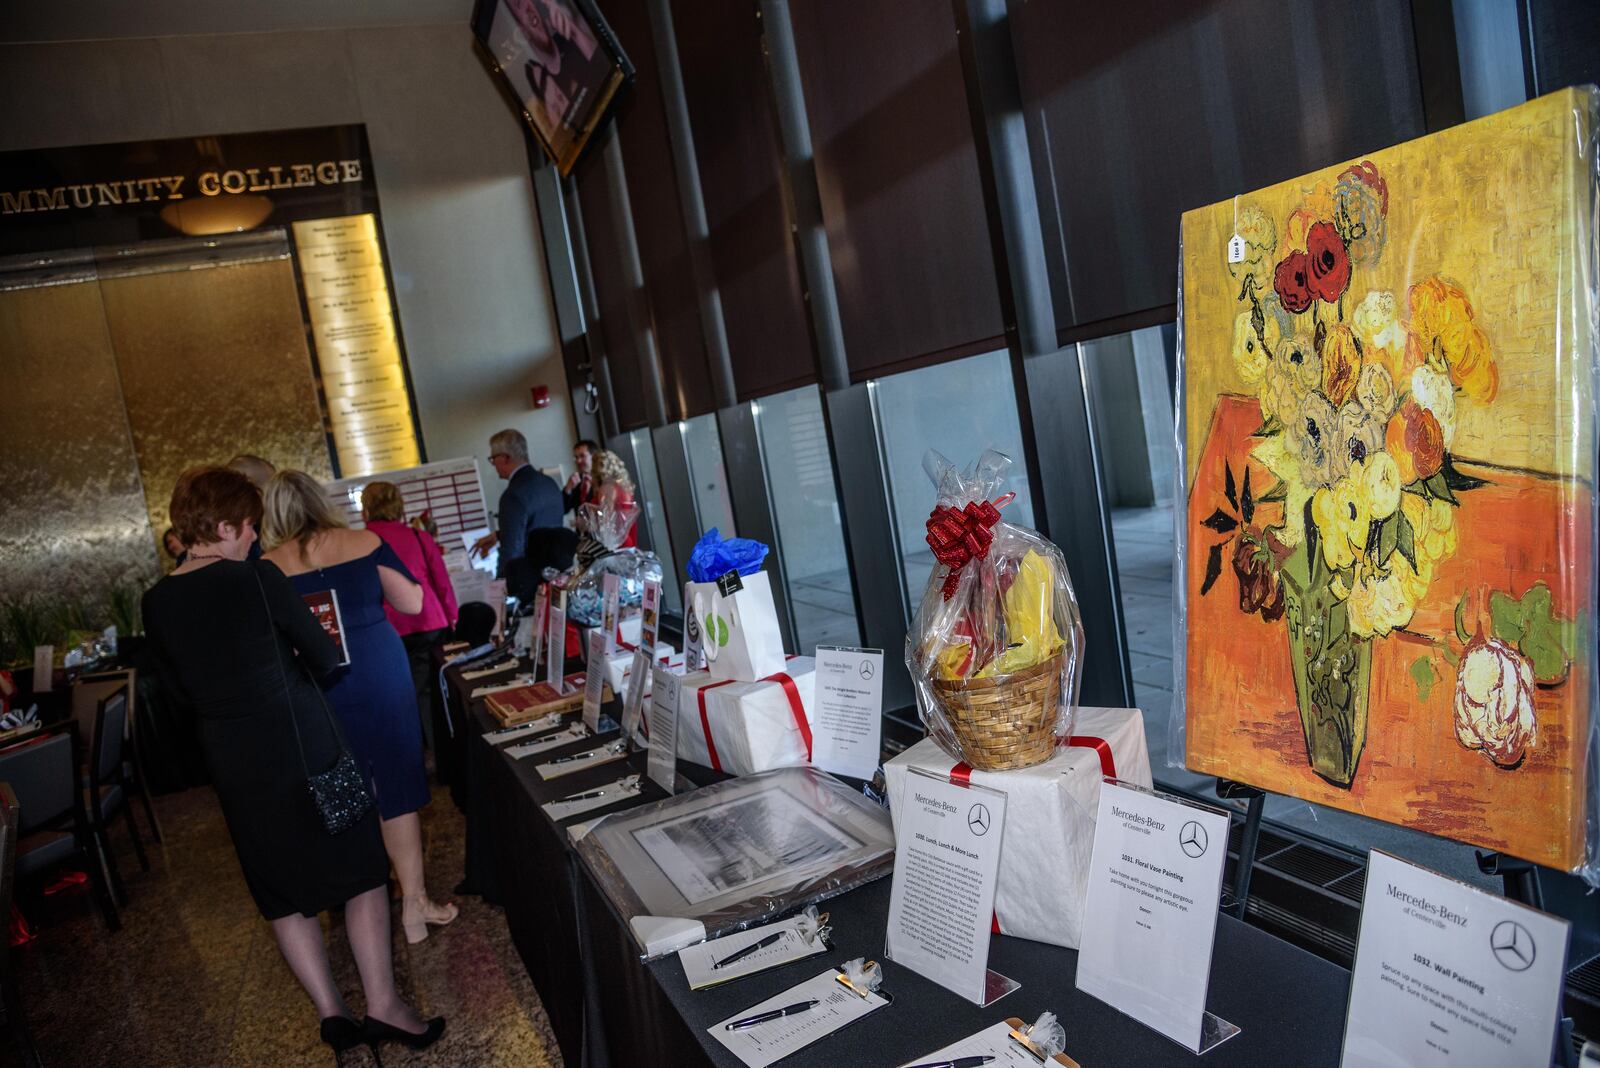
{"x": 12, "y": 1019}
{"x": 53, "y": 830}
{"x": 475, "y": 623}
{"x": 108, "y": 791}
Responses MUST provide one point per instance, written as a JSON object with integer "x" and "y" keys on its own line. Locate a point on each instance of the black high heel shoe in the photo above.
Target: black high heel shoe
{"x": 375, "y": 1031}
{"x": 343, "y": 1034}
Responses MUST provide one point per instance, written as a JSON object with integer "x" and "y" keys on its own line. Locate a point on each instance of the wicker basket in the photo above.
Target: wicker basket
{"x": 1008, "y": 721}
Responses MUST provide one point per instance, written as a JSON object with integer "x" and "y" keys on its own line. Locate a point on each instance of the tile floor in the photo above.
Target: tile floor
{"x": 194, "y": 977}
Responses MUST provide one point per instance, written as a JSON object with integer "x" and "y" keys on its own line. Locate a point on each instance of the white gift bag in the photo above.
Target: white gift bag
{"x": 740, "y": 637}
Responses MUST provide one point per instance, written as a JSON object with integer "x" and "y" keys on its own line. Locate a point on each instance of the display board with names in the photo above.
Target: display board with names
{"x": 357, "y": 345}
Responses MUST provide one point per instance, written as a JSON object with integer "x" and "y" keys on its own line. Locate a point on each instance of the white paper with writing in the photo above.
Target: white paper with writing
{"x": 575, "y": 733}
{"x": 589, "y": 758}
{"x": 594, "y": 680}
{"x": 700, "y": 961}
{"x": 947, "y": 856}
{"x": 847, "y": 723}
{"x": 588, "y": 800}
{"x": 1154, "y": 882}
{"x": 662, "y": 765}
{"x": 993, "y": 1041}
{"x": 539, "y": 726}
{"x": 768, "y": 1043}
{"x": 1446, "y": 974}
{"x": 610, "y": 595}
{"x": 555, "y": 640}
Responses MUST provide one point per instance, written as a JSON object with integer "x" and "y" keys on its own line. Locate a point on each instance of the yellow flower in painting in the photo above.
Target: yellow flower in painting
{"x": 1444, "y": 331}
{"x": 1254, "y": 272}
{"x": 1343, "y": 517}
{"x": 1431, "y": 389}
{"x": 1439, "y": 541}
{"x": 1376, "y": 322}
{"x": 1294, "y": 372}
{"x": 1383, "y": 601}
{"x": 1249, "y": 355}
{"x": 1375, "y": 391}
{"x": 1341, "y": 364}
{"x": 1380, "y": 485}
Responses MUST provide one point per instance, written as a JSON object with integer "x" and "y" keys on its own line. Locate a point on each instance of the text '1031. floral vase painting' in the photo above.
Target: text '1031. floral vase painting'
{"x": 1389, "y": 543}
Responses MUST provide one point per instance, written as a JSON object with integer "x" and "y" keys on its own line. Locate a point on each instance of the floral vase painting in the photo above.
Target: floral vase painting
{"x": 1389, "y": 446}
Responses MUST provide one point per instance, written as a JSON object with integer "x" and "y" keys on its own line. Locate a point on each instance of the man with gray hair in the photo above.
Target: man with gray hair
{"x": 254, "y": 468}
{"x": 530, "y": 502}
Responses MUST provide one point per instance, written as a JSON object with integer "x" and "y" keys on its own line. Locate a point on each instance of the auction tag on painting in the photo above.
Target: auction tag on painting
{"x": 594, "y": 681}
{"x": 662, "y": 764}
{"x": 611, "y": 592}
{"x": 1448, "y": 974}
{"x": 1236, "y": 249}
{"x": 1154, "y": 883}
{"x": 946, "y": 864}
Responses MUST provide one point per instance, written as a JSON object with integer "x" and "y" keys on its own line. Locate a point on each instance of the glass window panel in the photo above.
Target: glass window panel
{"x": 959, "y": 408}
{"x": 707, "y": 475}
{"x": 1131, "y": 403}
{"x": 805, "y": 506}
{"x": 655, "y": 518}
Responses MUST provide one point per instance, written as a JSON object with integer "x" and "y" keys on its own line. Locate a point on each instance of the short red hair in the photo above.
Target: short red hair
{"x": 206, "y": 496}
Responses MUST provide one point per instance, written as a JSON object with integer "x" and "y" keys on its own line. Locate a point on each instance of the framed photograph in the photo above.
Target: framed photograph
{"x": 740, "y": 851}
{"x": 560, "y": 64}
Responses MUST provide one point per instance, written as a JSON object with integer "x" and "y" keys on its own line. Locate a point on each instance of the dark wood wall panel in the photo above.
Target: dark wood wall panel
{"x": 600, "y": 229}
{"x": 741, "y": 166}
{"x": 1137, "y": 113}
{"x": 658, "y": 220}
{"x": 898, "y": 176}
{"x": 1561, "y": 43}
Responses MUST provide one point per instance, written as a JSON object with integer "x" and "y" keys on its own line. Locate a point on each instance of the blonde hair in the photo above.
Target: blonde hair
{"x": 297, "y": 510}
{"x": 382, "y": 500}
{"x": 608, "y": 467}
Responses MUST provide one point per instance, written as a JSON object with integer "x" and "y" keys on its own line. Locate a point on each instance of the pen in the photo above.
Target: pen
{"x": 959, "y": 1062}
{"x": 775, "y": 1014}
{"x": 591, "y": 795}
{"x": 747, "y": 950}
{"x": 588, "y": 755}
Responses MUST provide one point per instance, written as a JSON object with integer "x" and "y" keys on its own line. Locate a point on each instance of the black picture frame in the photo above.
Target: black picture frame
{"x": 565, "y": 86}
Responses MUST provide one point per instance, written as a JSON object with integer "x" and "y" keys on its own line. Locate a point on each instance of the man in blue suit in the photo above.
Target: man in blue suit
{"x": 530, "y": 536}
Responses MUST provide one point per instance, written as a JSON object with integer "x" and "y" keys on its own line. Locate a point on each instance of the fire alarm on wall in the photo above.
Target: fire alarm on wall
{"x": 541, "y": 396}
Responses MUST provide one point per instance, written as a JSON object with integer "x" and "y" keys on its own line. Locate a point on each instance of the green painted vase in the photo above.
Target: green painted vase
{"x": 1332, "y": 670}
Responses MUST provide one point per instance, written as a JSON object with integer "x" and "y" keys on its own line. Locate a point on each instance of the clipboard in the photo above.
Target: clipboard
{"x": 1016, "y": 1036}
{"x": 836, "y": 993}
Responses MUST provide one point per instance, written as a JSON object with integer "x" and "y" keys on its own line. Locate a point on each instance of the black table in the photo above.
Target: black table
{"x": 606, "y": 1006}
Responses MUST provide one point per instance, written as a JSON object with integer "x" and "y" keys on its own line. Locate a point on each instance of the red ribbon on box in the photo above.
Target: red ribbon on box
{"x": 958, "y": 536}
{"x": 961, "y": 774}
{"x": 791, "y": 693}
{"x": 705, "y": 720}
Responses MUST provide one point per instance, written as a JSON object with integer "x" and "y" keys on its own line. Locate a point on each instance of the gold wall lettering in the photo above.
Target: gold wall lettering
{"x": 150, "y": 190}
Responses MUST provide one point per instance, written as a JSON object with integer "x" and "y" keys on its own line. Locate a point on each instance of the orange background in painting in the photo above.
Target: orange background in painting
{"x": 1242, "y": 720}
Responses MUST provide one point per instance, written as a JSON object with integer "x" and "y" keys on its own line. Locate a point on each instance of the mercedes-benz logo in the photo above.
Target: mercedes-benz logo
{"x": 866, "y": 669}
{"x": 1193, "y": 840}
{"x": 978, "y": 819}
{"x": 1512, "y": 945}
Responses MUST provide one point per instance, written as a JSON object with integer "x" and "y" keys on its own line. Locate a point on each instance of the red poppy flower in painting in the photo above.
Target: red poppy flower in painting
{"x": 1328, "y": 263}
{"x": 1291, "y": 280}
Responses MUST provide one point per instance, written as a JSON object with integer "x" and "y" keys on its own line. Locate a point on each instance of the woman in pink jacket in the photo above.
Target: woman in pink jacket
{"x": 383, "y": 510}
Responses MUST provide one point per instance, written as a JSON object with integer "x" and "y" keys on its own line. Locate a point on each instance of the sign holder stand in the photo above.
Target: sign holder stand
{"x": 1229, "y": 790}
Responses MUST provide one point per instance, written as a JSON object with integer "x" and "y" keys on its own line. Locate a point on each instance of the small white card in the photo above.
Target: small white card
{"x": 1154, "y": 883}
{"x": 541, "y": 608}
{"x": 611, "y": 592}
{"x": 662, "y": 765}
{"x": 777, "y": 944}
{"x": 766, "y": 1043}
{"x": 1446, "y": 974}
{"x": 575, "y": 733}
{"x": 594, "y": 681}
{"x": 847, "y": 726}
{"x": 589, "y": 758}
{"x": 599, "y": 797}
{"x": 555, "y": 640}
{"x": 946, "y": 860}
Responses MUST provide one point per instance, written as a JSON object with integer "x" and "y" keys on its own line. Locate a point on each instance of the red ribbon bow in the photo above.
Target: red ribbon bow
{"x": 960, "y": 535}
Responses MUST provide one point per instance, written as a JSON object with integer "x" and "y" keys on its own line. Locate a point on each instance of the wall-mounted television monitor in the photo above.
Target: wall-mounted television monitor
{"x": 560, "y": 64}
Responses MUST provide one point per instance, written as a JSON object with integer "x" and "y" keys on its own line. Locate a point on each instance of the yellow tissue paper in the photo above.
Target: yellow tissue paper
{"x": 1031, "y": 633}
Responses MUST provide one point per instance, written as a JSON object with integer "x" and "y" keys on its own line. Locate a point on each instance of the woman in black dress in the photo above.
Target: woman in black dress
{"x": 235, "y": 640}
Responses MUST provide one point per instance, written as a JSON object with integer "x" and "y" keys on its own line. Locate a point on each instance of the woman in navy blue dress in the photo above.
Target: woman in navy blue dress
{"x": 372, "y": 694}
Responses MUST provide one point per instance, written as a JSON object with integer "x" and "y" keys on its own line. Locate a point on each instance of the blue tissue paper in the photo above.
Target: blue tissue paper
{"x": 713, "y": 557}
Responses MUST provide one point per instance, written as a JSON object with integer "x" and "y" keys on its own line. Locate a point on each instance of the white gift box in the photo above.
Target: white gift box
{"x": 1050, "y": 814}
{"x": 745, "y": 727}
{"x": 619, "y": 667}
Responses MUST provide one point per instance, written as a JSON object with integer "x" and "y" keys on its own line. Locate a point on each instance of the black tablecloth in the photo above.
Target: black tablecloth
{"x": 607, "y": 1007}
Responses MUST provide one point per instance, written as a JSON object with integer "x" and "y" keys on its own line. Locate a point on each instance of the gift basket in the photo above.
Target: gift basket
{"x": 996, "y": 651}
{"x": 600, "y": 530}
